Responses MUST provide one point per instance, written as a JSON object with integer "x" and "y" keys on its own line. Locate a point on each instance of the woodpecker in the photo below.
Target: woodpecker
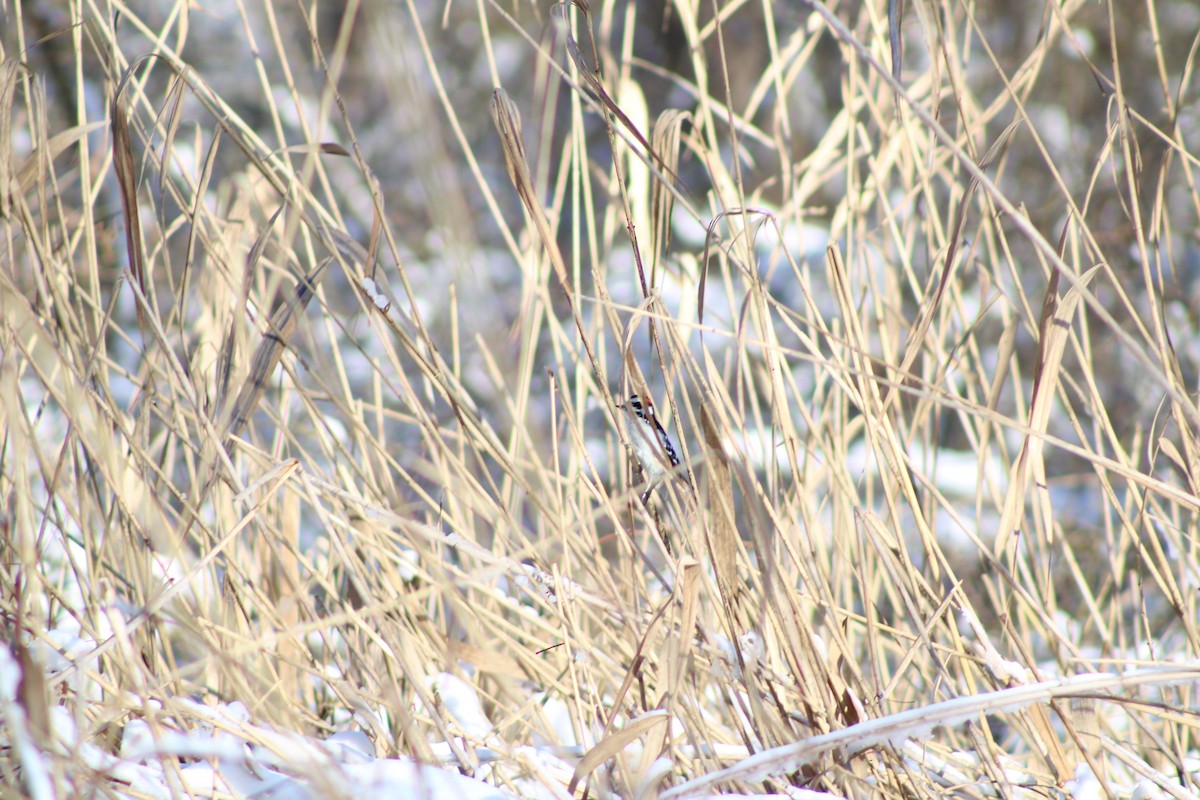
{"x": 652, "y": 447}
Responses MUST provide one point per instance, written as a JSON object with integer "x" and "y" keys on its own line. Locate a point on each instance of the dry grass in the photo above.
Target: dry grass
{"x": 308, "y": 368}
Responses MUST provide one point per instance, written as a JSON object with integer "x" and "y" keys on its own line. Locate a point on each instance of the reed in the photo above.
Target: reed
{"x": 314, "y": 323}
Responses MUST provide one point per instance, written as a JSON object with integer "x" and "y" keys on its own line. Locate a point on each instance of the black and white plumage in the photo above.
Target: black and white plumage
{"x": 652, "y": 447}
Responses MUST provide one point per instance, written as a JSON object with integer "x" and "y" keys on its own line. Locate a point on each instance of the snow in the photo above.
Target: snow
{"x": 229, "y": 753}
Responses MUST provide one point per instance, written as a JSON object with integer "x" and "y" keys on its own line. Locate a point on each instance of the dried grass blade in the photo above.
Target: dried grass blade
{"x": 9, "y": 71}
{"x": 915, "y": 343}
{"x": 881, "y": 431}
{"x": 507, "y": 120}
{"x": 126, "y": 176}
{"x": 1191, "y": 467}
{"x": 54, "y": 147}
{"x": 206, "y": 174}
{"x": 614, "y": 743}
{"x": 1055, "y": 331}
{"x": 508, "y": 124}
{"x": 678, "y": 644}
{"x": 270, "y": 349}
{"x": 666, "y": 138}
{"x": 601, "y": 95}
{"x": 722, "y": 530}
{"x": 895, "y": 13}
{"x": 175, "y": 103}
{"x": 226, "y": 358}
{"x": 31, "y": 691}
{"x": 911, "y": 723}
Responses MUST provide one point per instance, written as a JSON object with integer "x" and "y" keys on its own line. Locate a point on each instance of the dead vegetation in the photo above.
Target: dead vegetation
{"x": 312, "y": 323}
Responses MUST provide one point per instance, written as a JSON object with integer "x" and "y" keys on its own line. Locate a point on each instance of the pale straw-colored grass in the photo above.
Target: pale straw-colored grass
{"x": 312, "y": 326}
